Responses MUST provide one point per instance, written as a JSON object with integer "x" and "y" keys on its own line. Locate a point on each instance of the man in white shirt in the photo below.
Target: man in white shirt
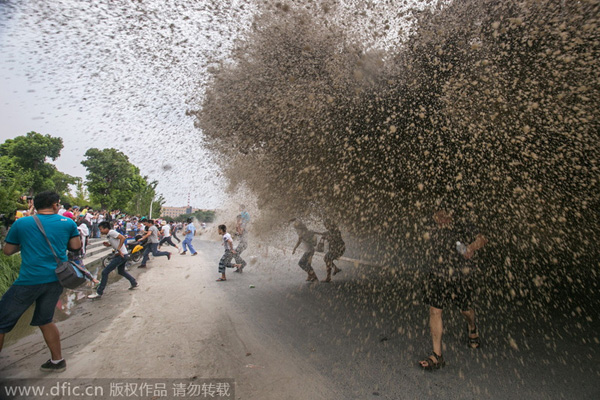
{"x": 117, "y": 242}
{"x": 165, "y": 230}
{"x": 152, "y": 236}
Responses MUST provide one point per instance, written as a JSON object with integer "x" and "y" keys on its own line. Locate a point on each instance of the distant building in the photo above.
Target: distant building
{"x": 172, "y": 212}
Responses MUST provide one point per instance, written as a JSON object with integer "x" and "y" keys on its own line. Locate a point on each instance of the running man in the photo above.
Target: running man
{"x": 166, "y": 232}
{"x": 335, "y": 248}
{"x": 225, "y": 261}
{"x": 152, "y": 236}
{"x": 190, "y": 231}
{"x": 453, "y": 247}
{"x": 117, "y": 242}
{"x": 308, "y": 239}
{"x": 174, "y": 228}
{"x": 241, "y": 233}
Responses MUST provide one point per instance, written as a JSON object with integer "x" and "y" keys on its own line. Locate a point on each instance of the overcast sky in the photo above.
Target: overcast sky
{"x": 117, "y": 74}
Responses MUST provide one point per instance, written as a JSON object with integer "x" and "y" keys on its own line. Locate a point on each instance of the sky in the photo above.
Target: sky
{"x": 118, "y": 74}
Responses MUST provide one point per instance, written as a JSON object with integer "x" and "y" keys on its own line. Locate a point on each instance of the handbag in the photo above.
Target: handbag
{"x": 69, "y": 274}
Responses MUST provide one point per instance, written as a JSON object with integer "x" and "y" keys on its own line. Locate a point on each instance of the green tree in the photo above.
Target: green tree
{"x": 200, "y": 215}
{"x": 111, "y": 179}
{"x": 144, "y": 193}
{"x": 29, "y": 153}
{"x": 13, "y": 183}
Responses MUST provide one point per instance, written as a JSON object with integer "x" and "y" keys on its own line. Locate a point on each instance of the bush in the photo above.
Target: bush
{"x": 9, "y": 270}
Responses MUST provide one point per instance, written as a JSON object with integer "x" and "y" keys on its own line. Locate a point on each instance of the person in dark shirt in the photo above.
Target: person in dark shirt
{"x": 336, "y": 248}
{"x": 451, "y": 258}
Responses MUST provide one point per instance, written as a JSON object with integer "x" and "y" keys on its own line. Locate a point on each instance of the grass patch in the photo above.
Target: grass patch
{"x": 9, "y": 270}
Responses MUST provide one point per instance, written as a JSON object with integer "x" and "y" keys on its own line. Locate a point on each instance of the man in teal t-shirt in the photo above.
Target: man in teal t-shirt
{"x": 37, "y": 282}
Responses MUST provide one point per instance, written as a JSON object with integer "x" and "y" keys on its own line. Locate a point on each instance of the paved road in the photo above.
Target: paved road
{"x": 358, "y": 337}
{"x": 365, "y": 331}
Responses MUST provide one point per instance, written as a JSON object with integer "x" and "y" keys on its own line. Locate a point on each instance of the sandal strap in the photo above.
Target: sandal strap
{"x": 436, "y": 358}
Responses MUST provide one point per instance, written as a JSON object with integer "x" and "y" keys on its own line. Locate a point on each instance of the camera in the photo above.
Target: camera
{"x": 29, "y": 197}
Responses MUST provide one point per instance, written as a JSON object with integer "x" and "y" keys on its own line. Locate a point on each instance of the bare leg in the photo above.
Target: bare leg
{"x": 52, "y": 338}
{"x": 470, "y": 317}
{"x": 1, "y": 340}
{"x": 436, "y": 326}
{"x": 474, "y": 341}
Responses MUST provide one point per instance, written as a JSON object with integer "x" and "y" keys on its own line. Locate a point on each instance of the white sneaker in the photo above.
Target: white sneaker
{"x": 94, "y": 296}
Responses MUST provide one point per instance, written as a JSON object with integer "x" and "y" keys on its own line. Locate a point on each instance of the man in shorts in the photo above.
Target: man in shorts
{"x": 37, "y": 282}
{"x": 453, "y": 245}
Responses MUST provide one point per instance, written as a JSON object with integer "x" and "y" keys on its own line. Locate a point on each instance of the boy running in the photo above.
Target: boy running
{"x": 225, "y": 261}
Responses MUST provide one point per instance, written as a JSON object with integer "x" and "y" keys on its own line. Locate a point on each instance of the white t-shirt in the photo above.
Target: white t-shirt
{"x": 113, "y": 239}
{"x": 166, "y": 230}
{"x": 226, "y": 238}
{"x": 83, "y": 230}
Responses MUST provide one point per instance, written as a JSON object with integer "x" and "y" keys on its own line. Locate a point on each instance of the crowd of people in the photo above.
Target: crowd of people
{"x": 454, "y": 244}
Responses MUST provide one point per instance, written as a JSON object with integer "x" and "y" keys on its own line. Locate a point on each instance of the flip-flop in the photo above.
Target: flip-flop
{"x": 221, "y": 280}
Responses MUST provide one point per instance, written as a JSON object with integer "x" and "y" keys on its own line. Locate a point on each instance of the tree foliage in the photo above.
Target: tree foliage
{"x": 111, "y": 177}
{"x": 115, "y": 183}
{"x": 200, "y": 215}
{"x": 24, "y": 170}
{"x": 29, "y": 154}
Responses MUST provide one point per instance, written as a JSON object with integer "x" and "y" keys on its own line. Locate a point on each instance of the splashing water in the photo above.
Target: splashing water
{"x": 489, "y": 106}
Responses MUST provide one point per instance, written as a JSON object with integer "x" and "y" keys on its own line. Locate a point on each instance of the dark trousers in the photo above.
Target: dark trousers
{"x": 153, "y": 247}
{"x": 117, "y": 262}
{"x": 166, "y": 239}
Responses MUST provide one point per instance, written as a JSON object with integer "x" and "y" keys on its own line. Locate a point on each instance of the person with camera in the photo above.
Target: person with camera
{"x": 26, "y": 207}
{"x": 37, "y": 281}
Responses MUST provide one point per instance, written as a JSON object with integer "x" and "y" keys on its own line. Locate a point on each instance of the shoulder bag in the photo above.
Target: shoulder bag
{"x": 69, "y": 274}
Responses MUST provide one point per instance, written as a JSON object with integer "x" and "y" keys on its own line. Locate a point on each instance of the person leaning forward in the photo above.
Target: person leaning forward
{"x": 453, "y": 245}
{"x": 37, "y": 282}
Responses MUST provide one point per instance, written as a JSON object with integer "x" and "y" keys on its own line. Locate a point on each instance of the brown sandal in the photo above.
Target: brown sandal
{"x": 433, "y": 362}
{"x": 474, "y": 342}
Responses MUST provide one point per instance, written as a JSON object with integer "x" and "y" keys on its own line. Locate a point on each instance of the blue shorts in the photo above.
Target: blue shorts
{"x": 18, "y": 298}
